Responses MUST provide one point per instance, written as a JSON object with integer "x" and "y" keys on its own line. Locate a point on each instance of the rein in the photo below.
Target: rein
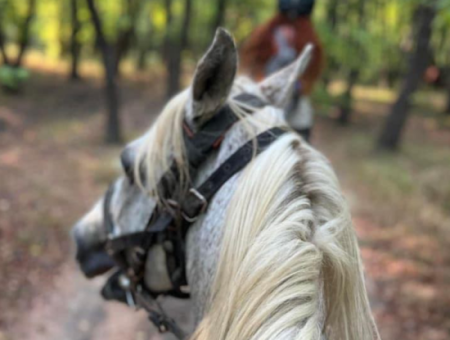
{"x": 169, "y": 224}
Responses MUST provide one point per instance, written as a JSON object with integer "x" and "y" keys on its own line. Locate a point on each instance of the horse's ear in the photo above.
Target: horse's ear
{"x": 214, "y": 77}
{"x": 279, "y": 87}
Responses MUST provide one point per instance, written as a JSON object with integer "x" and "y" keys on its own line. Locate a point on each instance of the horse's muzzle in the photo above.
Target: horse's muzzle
{"x": 93, "y": 260}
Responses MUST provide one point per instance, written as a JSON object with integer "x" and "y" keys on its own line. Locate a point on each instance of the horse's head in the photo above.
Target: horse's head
{"x": 130, "y": 201}
{"x": 289, "y": 264}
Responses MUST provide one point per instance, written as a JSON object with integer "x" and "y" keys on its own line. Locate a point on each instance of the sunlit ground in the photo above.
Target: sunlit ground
{"x": 54, "y": 165}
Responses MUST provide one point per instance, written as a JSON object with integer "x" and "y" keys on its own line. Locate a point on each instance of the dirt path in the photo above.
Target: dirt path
{"x": 72, "y": 309}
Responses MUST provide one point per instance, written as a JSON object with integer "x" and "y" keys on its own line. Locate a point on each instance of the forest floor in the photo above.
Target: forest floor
{"x": 54, "y": 165}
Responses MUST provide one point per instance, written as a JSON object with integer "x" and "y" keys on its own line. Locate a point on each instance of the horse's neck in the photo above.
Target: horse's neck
{"x": 204, "y": 237}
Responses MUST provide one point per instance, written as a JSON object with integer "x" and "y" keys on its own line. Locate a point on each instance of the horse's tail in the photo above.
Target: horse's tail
{"x": 289, "y": 255}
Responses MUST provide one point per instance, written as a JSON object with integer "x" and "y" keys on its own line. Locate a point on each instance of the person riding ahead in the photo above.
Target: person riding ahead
{"x": 277, "y": 43}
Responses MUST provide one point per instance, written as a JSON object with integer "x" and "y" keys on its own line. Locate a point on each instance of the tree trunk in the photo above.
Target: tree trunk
{"x": 144, "y": 45}
{"x": 2, "y": 48}
{"x": 2, "y": 38}
{"x": 353, "y": 76}
{"x": 25, "y": 32}
{"x": 168, "y": 37}
{"x": 220, "y": 15}
{"x": 173, "y": 72}
{"x": 177, "y": 57}
{"x": 3, "y": 53}
{"x": 332, "y": 17}
{"x": 74, "y": 44}
{"x": 126, "y": 36}
{"x": 175, "y": 47}
{"x": 333, "y": 13}
{"x": 346, "y": 105}
{"x": 113, "y": 131}
{"x": 143, "y": 49}
{"x": 447, "y": 86}
{"x": 169, "y": 50}
{"x": 418, "y": 61}
{"x": 141, "y": 62}
{"x": 184, "y": 37}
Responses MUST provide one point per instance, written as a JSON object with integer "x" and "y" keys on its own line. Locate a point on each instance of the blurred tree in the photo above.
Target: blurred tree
{"x": 441, "y": 46}
{"x": 175, "y": 45}
{"x": 2, "y": 48}
{"x": 169, "y": 47}
{"x": 447, "y": 109}
{"x": 24, "y": 35}
{"x": 144, "y": 36}
{"x": 125, "y": 36}
{"x": 418, "y": 61}
{"x": 112, "y": 53}
{"x": 113, "y": 130}
{"x": 219, "y": 17}
{"x": 20, "y": 15}
{"x": 332, "y": 21}
{"x": 24, "y": 27}
{"x": 74, "y": 43}
{"x": 5, "y": 58}
{"x": 354, "y": 72}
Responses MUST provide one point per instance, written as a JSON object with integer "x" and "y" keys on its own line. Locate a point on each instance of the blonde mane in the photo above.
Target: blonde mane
{"x": 289, "y": 265}
{"x": 163, "y": 144}
{"x": 289, "y": 255}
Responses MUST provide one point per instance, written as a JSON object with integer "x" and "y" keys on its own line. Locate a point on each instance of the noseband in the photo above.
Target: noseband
{"x": 169, "y": 224}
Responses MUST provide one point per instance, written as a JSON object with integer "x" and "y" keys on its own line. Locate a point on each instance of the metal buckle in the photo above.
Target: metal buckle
{"x": 125, "y": 284}
{"x": 203, "y": 202}
{"x": 130, "y": 299}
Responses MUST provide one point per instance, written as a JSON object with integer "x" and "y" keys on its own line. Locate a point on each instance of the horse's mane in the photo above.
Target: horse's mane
{"x": 289, "y": 255}
{"x": 163, "y": 143}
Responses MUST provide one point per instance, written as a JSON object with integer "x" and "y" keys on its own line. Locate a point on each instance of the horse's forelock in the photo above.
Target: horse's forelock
{"x": 164, "y": 142}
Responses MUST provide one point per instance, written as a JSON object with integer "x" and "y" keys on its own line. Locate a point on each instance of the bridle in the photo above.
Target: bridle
{"x": 169, "y": 224}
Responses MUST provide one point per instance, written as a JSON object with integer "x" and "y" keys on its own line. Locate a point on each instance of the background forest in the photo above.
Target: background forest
{"x": 79, "y": 78}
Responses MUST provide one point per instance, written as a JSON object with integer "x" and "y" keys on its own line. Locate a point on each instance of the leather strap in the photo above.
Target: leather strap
{"x": 199, "y": 144}
{"x": 192, "y": 205}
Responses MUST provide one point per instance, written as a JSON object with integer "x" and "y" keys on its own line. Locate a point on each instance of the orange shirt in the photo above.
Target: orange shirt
{"x": 260, "y": 47}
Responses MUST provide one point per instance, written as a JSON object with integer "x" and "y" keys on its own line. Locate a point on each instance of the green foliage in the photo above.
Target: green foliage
{"x": 441, "y": 36}
{"x": 372, "y": 40}
{"x": 376, "y": 43}
{"x": 47, "y": 27}
{"x": 12, "y": 78}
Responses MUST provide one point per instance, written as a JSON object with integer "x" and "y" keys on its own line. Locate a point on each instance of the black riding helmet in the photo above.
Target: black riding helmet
{"x": 296, "y": 7}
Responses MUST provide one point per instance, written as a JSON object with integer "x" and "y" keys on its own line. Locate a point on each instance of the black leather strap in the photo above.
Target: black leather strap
{"x": 192, "y": 205}
{"x": 199, "y": 144}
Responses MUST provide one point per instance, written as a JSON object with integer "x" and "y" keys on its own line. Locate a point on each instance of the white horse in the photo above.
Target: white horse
{"x": 275, "y": 255}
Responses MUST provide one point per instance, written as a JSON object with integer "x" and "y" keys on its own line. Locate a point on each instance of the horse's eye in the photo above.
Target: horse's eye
{"x": 127, "y": 160}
